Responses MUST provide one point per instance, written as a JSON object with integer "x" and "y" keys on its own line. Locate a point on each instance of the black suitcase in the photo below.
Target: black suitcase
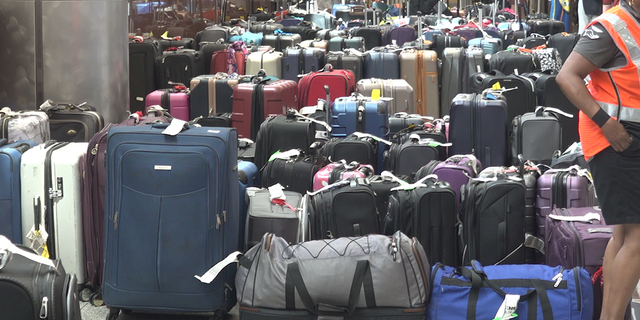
{"x": 346, "y": 210}
{"x": 520, "y": 93}
{"x": 184, "y": 43}
{"x": 363, "y": 150}
{"x": 537, "y": 136}
{"x": 382, "y": 186}
{"x": 327, "y": 34}
{"x": 211, "y": 34}
{"x": 371, "y": 35}
{"x": 207, "y": 49}
{"x": 142, "y": 72}
{"x": 493, "y": 220}
{"x": 265, "y": 27}
{"x": 33, "y": 290}
{"x": 429, "y": 214}
{"x": 564, "y": 43}
{"x": 178, "y": 66}
{"x": 348, "y": 61}
{"x": 281, "y": 42}
{"x": 508, "y": 61}
{"x": 532, "y": 41}
{"x": 445, "y": 41}
{"x": 222, "y": 120}
{"x": 294, "y": 173}
{"x": 408, "y": 156}
{"x": 72, "y": 123}
{"x": 305, "y": 31}
{"x": 546, "y": 26}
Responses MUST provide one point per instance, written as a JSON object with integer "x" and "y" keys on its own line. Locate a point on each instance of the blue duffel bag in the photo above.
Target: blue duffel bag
{"x": 510, "y": 291}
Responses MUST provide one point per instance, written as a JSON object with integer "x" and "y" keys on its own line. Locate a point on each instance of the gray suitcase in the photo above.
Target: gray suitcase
{"x": 452, "y": 65}
{"x": 398, "y": 89}
{"x": 537, "y": 136}
{"x": 281, "y": 42}
{"x": 269, "y": 61}
{"x": 473, "y": 63}
{"x": 339, "y": 43}
{"x": 280, "y": 217}
{"x": 381, "y": 63}
{"x": 420, "y": 69}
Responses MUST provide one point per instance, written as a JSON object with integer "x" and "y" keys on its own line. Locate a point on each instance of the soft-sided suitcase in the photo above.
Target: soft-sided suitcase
{"x": 305, "y": 31}
{"x": 328, "y": 34}
{"x": 410, "y": 154}
{"x": 297, "y": 61}
{"x": 562, "y": 188}
{"x": 188, "y": 187}
{"x": 33, "y": 287}
{"x": 478, "y": 292}
{"x": 402, "y": 120}
{"x": 564, "y": 42}
{"x": 210, "y": 95}
{"x": 508, "y": 62}
{"x": 51, "y": 194}
{"x": 452, "y": 66}
{"x": 420, "y": 69}
{"x": 311, "y": 87}
{"x": 280, "y": 42}
{"x": 211, "y": 34}
{"x": 347, "y": 60}
{"x": 178, "y": 66}
{"x": 329, "y": 276}
{"x": 545, "y": 27}
{"x": 72, "y": 123}
{"x": 340, "y": 170}
{"x": 339, "y": 43}
{"x": 398, "y": 90}
{"x": 183, "y": 43}
{"x": 371, "y": 35}
{"x": 142, "y": 72}
{"x": 265, "y": 27}
{"x": 355, "y": 147}
{"x": 10, "y": 204}
{"x": 520, "y": 93}
{"x": 24, "y": 125}
{"x": 427, "y": 211}
{"x": 479, "y": 126}
{"x": 174, "y": 100}
{"x": 254, "y": 102}
{"x": 272, "y": 213}
{"x": 293, "y": 172}
{"x": 537, "y": 136}
{"x": 223, "y": 61}
{"x": 399, "y": 35}
{"x": 493, "y": 220}
{"x": 269, "y": 61}
{"x": 382, "y": 64}
{"x": 382, "y": 185}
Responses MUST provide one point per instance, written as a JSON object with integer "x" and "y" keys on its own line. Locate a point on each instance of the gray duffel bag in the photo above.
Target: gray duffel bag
{"x": 375, "y": 276}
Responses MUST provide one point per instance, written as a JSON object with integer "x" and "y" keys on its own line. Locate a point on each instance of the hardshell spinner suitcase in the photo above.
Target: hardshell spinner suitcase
{"x": 339, "y": 43}
{"x": 371, "y": 35}
{"x": 281, "y": 42}
{"x": 420, "y": 69}
{"x": 474, "y": 62}
{"x": 10, "y": 204}
{"x": 169, "y": 99}
{"x": 347, "y": 60}
{"x": 398, "y": 90}
{"x": 452, "y": 67}
{"x": 178, "y": 66}
{"x": 269, "y": 61}
{"x": 298, "y": 61}
{"x": 51, "y": 194}
{"x": 72, "y": 123}
{"x": 479, "y": 126}
{"x": 382, "y": 64}
{"x": 341, "y": 83}
{"x": 142, "y": 72}
{"x": 262, "y": 284}
{"x": 278, "y": 216}
{"x": 210, "y": 95}
{"x": 428, "y": 214}
{"x": 24, "y": 125}
{"x": 33, "y": 287}
{"x": 194, "y": 169}
{"x": 447, "y": 41}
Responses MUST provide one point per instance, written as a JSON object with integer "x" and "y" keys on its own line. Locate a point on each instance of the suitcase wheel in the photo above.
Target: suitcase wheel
{"x": 96, "y": 299}
{"x": 85, "y": 294}
{"x": 113, "y": 314}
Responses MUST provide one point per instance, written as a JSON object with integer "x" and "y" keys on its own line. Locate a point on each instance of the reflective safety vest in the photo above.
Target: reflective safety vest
{"x": 614, "y": 87}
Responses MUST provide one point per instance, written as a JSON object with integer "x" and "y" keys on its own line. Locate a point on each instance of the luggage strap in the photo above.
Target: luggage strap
{"x": 362, "y": 277}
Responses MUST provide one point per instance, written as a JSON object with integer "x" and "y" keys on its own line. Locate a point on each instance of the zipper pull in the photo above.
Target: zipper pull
{"x": 557, "y": 278}
{"x": 43, "y": 308}
{"x": 218, "y": 221}
{"x": 94, "y": 151}
{"x": 394, "y": 248}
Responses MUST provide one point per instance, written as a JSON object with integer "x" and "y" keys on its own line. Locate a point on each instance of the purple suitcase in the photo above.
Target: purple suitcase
{"x": 400, "y": 35}
{"x": 569, "y": 188}
{"x": 176, "y": 102}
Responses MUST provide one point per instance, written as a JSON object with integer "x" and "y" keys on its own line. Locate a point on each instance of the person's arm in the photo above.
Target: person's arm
{"x": 570, "y": 79}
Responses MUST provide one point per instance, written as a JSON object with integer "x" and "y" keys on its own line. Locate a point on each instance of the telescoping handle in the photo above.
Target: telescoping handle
{"x": 328, "y": 104}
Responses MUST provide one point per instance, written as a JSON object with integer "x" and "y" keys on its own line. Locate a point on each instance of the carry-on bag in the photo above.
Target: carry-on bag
{"x": 537, "y": 136}
{"x": 324, "y": 278}
{"x": 269, "y": 61}
{"x": 402, "y": 120}
{"x": 227, "y": 62}
{"x": 211, "y": 34}
{"x": 545, "y": 27}
{"x": 273, "y": 211}
{"x": 24, "y": 125}
{"x": 371, "y": 35}
{"x": 176, "y": 100}
{"x": 311, "y": 87}
{"x": 280, "y": 42}
{"x": 420, "y": 69}
{"x": 210, "y": 95}
{"x": 381, "y": 63}
{"x": 178, "y": 66}
{"x": 451, "y": 82}
{"x": 508, "y": 62}
{"x": 398, "y": 35}
{"x": 533, "y": 292}
{"x": 349, "y": 59}
{"x": 293, "y": 170}
{"x": 355, "y": 147}
{"x": 340, "y": 170}
{"x": 208, "y": 49}
{"x": 72, "y": 123}
{"x": 519, "y": 91}
{"x": 440, "y": 42}
{"x": 340, "y": 43}
{"x": 188, "y": 187}
{"x": 33, "y": 287}
{"x": 142, "y": 72}
{"x": 408, "y": 155}
{"x": 299, "y": 60}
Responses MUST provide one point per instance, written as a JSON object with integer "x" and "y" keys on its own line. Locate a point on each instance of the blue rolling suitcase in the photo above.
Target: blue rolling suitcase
{"x": 297, "y": 61}
{"x": 171, "y": 213}
{"x": 10, "y": 209}
{"x": 382, "y": 64}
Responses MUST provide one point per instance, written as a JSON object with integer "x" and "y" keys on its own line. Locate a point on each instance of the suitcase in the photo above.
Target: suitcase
{"x": 199, "y": 173}
{"x": 176, "y": 101}
{"x": 254, "y": 102}
{"x": 24, "y": 125}
{"x": 211, "y": 34}
{"x": 410, "y": 154}
{"x": 427, "y": 212}
{"x": 564, "y": 42}
{"x": 208, "y": 49}
{"x": 72, "y": 123}
{"x": 382, "y": 186}
{"x": 479, "y": 126}
{"x": 178, "y": 66}
{"x": 361, "y": 149}
{"x": 51, "y": 194}
{"x": 493, "y": 220}
{"x": 447, "y": 41}
{"x": 321, "y": 20}
{"x": 329, "y": 34}
{"x": 316, "y": 44}
{"x": 269, "y": 61}
{"x": 210, "y": 95}
{"x": 532, "y": 41}
{"x": 474, "y": 62}
{"x": 537, "y": 136}
{"x": 508, "y": 62}
{"x": 289, "y": 22}
{"x": 346, "y": 209}
{"x": 382, "y": 64}
{"x": 489, "y": 45}
{"x": 305, "y": 31}
{"x": 371, "y": 35}
{"x": 269, "y": 214}
{"x": 420, "y": 69}
{"x": 266, "y": 27}
{"x": 545, "y": 27}
{"x": 298, "y": 61}
{"x": 402, "y": 121}
{"x": 142, "y": 72}
{"x": 576, "y": 237}
{"x": 34, "y": 287}
{"x": 261, "y": 279}
{"x": 293, "y": 172}
{"x": 399, "y": 35}
{"x": 452, "y": 67}
{"x": 280, "y": 42}
{"x": 341, "y": 83}
{"x": 222, "y": 62}
{"x": 10, "y": 208}
{"x": 508, "y": 38}
{"x": 340, "y": 171}
{"x": 183, "y": 43}
{"x": 562, "y": 188}
{"x": 339, "y": 44}
{"x": 476, "y": 292}
{"x": 347, "y": 60}
{"x": 520, "y": 98}
{"x": 400, "y": 92}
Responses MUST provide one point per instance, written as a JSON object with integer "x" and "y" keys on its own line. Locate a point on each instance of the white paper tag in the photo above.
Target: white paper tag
{"x": 586, "y": 218}
{"x": 175, "y": 127}
{"x": 508, "y": 307}
{"x": 217, "y": 268}
{"x": 276, "y": 191}
{"x": 6, "y": 244}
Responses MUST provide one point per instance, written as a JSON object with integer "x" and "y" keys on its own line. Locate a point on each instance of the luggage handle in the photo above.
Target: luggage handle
{"x": 294, "y": 282}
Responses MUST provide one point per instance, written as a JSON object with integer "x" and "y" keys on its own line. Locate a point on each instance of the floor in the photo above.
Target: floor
{"x": 90, "y": 312}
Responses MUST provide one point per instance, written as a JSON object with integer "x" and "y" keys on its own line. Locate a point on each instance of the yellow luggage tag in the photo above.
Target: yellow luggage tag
{"x": 375, "y": 94}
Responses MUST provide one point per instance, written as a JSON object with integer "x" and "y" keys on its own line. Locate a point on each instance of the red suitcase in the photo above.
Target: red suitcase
{"x": 311, "y": 87}
{"x": 221, "y": 62}
{"x": 254, "y": 102}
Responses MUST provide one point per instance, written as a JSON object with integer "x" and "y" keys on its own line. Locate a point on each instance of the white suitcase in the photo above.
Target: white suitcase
{"x": 269, "y": 61}
{"x": 65, "y": 161}
{"x": 24, "y": 125}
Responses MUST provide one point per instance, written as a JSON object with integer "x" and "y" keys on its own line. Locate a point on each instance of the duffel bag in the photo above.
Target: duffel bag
{"x": 509, "y": 291}
{"x": 375, "y": 276}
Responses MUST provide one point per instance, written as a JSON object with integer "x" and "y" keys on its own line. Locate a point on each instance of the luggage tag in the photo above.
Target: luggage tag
{"x": 212, "y": 273}
{"x": 508, "y": 307}
{"x": 367, "y": 135}
{"x": 587, "y": 218}
{"x": 175, "y": 127}
{"x": 8, "y": 249}
{"x": 38, "y": 239}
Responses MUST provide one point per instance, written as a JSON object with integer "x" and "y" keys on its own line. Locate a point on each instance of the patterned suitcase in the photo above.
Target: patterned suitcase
{"x": 24, "y": 125}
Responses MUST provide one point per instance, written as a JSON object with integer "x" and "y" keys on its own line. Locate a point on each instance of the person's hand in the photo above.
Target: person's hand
{"x": 617, "y": 136}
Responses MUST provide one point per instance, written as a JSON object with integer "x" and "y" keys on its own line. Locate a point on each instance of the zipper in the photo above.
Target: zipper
{"x": 84, "y": 125}
{"x": 360, "y": 115}
{"x": 474, "y": 143}
{"x": 520, "y": 135}
{"x": 576, "y": 237}
{"x": 615, "y": 87}
{"x": 421, "y": 266}
{"x": 563, "y": 189}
